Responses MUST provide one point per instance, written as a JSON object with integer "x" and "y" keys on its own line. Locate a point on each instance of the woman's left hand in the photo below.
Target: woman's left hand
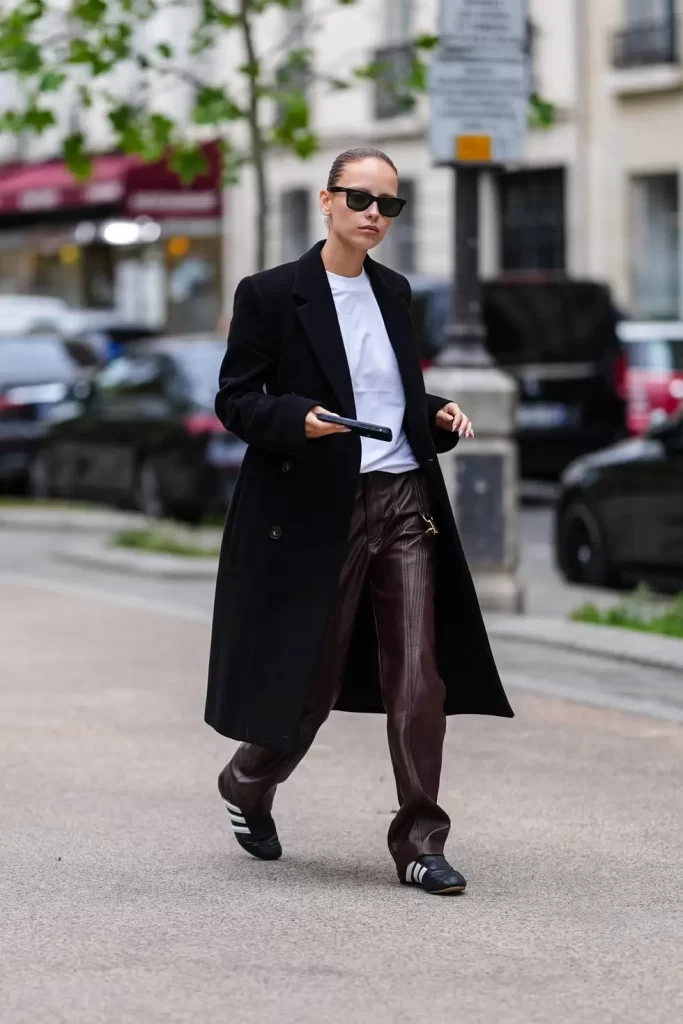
{"x": 452, "y": 418}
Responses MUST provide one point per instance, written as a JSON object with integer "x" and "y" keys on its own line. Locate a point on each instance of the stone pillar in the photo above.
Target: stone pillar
{"x": 481, "y": 476}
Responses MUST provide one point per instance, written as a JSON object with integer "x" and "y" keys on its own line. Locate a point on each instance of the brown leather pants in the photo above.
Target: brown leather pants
{"x": 390, "y": 547}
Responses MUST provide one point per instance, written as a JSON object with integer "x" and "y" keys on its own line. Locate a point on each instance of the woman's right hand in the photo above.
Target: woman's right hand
{"x": 317, "y": 428}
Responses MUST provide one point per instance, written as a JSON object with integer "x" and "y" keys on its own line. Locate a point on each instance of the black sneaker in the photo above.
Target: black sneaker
{"x": 256, "y": 833}
{"x": 434, "y": 874}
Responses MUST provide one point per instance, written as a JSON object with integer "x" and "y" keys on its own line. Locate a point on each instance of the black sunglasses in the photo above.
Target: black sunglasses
{"x": 356, "y": 199}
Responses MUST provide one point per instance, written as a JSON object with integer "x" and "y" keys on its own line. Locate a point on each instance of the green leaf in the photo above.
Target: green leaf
{"x": 157, "y": 137}
{"x": 75, "y": 156}
{"x": 426, "y": 42}
{"x": 542, "y": 114}
{"x": 38, "y": 119}
{"x": 214, "y": 106}
{"x": 92, "y": 12}
{"x": 52, "y": 81}
{"x": 165, "y": 50}
{"x": 188, "y": 162}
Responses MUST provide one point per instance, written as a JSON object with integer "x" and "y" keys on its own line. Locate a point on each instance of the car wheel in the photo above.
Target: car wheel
{"x": 582, "y": 555}
{"x": 39, "y": 484}
{"x": 148, "y": 498}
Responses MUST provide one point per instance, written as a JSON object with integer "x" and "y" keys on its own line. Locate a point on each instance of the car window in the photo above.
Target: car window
{"x": 34, "y": 360}
{"x": 659, "y": 356}
{"x": 128, "y": 376}
{"x": 200, "y": 365}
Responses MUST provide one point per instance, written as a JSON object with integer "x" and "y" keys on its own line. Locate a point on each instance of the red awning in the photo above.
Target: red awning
{"x": 117, "y": 179}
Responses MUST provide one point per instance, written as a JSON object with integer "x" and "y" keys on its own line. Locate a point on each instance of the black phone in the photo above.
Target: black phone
{"x": 364, "y": 429}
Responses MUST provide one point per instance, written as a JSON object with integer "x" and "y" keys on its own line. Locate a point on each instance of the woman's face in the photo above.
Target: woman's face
{"x": 360, "y": 229}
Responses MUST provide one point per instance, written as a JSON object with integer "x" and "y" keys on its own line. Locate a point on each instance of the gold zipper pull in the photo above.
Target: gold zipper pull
{"x": 432, "y": 528}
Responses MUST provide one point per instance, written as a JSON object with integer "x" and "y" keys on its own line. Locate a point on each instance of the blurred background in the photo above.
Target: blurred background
{"x": 146, "y": 168}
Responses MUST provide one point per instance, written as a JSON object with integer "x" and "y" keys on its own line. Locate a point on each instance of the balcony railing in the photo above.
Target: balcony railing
{"x": 646, "y": 43}
{"x": 394, "y": 65}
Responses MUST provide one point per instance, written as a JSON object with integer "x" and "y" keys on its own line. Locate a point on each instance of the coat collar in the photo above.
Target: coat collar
{"x": 319, "y": 319}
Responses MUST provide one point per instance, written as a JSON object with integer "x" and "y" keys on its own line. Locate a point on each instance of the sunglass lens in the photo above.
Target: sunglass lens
{"x": 390, "y": 207}
{"x": 358, "y": 200}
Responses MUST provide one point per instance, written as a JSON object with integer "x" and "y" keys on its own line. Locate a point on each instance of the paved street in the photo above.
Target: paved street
{"x": 125, "y": 898}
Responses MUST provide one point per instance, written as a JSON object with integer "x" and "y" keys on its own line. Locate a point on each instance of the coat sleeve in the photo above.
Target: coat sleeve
{"x": 273, "y": 422}
{"x": 444, "y": 440}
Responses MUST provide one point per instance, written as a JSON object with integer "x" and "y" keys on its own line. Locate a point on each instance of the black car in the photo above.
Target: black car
{"x": 558, "y": 339}
{"x": 36, "y": 375}
{"x": 619, "y": 518}
{"x": 146, "y": 435}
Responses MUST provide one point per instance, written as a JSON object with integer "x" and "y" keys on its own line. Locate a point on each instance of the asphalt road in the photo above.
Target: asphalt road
{"x": 124, "y": 897}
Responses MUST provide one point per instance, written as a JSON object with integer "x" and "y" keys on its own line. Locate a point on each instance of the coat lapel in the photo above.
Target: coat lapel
{"x": 319, "y": 319}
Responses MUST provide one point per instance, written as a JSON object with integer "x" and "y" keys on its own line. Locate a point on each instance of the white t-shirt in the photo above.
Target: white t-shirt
{"x": 377, "y": 384}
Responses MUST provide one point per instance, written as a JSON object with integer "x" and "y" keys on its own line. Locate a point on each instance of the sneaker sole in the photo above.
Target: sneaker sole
{"x": 435, "y": 892}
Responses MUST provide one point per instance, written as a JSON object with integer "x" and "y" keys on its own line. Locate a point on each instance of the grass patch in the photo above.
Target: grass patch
{"x": 158, "y": 541}
{"x": 16, "y": 501}
{"x": 641, "y": 612}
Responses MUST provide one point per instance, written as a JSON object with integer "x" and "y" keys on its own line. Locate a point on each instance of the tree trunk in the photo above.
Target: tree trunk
{"x": 257, "y": 144}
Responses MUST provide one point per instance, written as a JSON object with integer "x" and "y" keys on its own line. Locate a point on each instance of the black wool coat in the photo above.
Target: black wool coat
{"x": 285, "y": 533}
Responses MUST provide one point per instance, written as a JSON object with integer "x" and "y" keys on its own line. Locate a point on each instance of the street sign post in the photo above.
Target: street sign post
{"x": 479, "y": 96}
{"x": 483, "y": 25}
{"x": 479, "y": 82}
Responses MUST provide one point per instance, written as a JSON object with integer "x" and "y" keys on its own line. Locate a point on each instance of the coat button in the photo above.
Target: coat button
{"x": 286, "y": 467}
{"x": 275, "y": 532}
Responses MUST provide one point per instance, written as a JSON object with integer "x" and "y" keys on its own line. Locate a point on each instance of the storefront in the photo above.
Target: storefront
{"x": 131, "y": 238}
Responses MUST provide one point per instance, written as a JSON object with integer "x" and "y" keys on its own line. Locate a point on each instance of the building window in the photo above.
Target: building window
{"x": 294, "y": 223}
{"x": 656, "y": 240}
{"x": 532, "y": 220}
{"x": 293, "y": 75}
{"x": 398, "y": 20}
{"x": 395, "y": 60}
{"x": 398, "y": 247}
{"x": 650, "y": 35}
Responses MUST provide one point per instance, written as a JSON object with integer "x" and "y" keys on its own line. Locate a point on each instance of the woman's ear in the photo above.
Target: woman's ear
{"x": 326, "y": 199}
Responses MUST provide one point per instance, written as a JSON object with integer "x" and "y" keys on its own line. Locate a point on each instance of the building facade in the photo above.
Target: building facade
{"x": 530, "y": 215}
{"x": 634, "y": 147}
{"x": 132, "y": 238}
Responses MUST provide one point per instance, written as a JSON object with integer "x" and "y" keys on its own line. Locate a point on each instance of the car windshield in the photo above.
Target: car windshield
{"x": 34, "y": 360}
{"x": 661, "y": 355}
{"x": 200, "y": 363}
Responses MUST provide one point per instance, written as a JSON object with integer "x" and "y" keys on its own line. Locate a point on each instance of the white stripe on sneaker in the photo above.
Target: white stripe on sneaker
{"x": 423, "y": 871}
{"x": 409, "y": 871}
{"x": 241, "y": 828}
{"x": 237, "y": 819}
{"x": 232, "y": 807}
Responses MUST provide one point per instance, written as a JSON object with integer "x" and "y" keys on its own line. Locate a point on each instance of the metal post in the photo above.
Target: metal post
{"x": 466, "y": 333}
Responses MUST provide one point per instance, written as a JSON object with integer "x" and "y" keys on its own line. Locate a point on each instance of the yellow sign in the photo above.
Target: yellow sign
{"x": 178, "y": 246}
{"x": 69, "y": 254}
{"x": 474, "y": 149}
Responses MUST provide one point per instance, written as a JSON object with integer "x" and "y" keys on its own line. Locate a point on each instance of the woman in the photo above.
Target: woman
{"x": 342, "y": 582}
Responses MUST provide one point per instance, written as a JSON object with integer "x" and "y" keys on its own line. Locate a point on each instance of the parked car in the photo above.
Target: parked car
{"x": 146, "y": 435}
{"x": 619, "y": 518}
{"x": 558, "y": 339}
{"x": 654, "y": 375}
{"x": 23, "y": 314}
{"x": 36, "y": 376}
{"x": 105, "y": 330}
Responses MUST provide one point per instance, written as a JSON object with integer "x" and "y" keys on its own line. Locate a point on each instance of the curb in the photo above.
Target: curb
{"x": 168, "y": 567}
{"x": 644, "y": 649}
{"x": 67, "y": 521}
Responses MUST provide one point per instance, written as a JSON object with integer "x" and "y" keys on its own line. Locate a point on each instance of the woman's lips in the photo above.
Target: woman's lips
{"x": 370, "y": 228}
